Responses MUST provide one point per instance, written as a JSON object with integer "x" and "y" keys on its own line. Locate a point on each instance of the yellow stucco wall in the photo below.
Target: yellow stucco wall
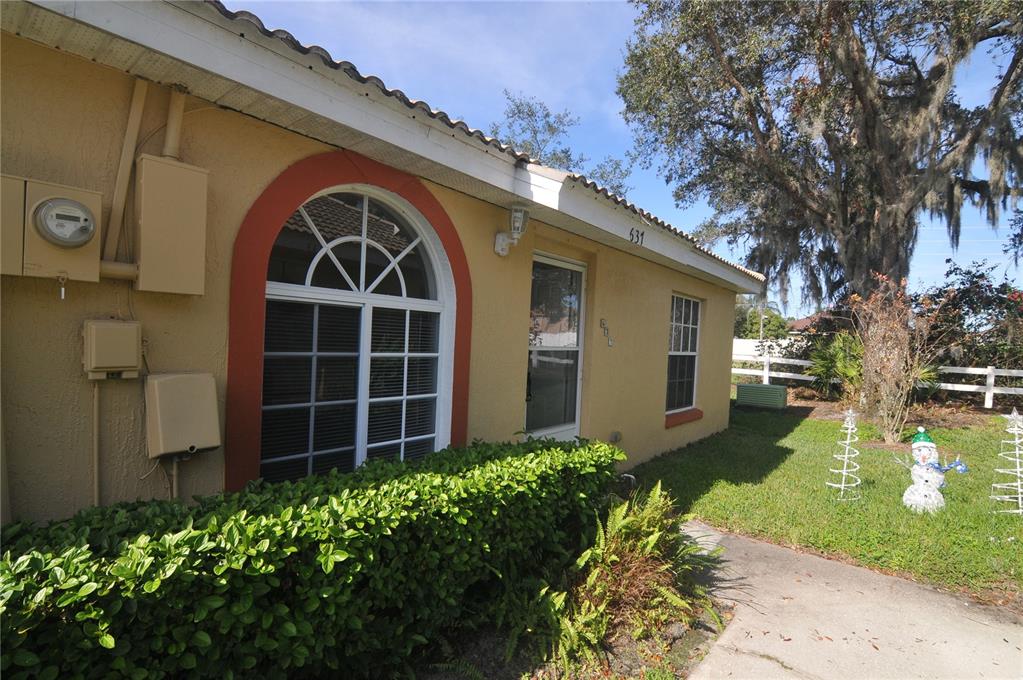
{"x": 47, "y": 401}
{"x": 623, "y": 386}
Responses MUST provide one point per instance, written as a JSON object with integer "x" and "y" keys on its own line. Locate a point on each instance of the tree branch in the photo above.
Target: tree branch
{"x": 955, "y": 156}
{"x": 798, "y": 191}
{"x": 850, "y": 55}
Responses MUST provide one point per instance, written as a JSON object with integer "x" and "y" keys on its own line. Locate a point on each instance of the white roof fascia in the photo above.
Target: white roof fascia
{"x": 193, "y": 34}
{"x": 199, "y": 35}
{"x": 582, "y": 202}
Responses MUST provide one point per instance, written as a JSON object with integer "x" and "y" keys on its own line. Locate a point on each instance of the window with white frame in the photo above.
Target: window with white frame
{"x": 355, "y": 349}
{"x": 683, "y": 335}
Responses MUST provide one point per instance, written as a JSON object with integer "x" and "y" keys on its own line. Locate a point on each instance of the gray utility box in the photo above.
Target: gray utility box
{"x": 761, "y": 396}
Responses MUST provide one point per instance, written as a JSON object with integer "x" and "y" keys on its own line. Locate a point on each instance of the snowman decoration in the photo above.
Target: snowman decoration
{"x": 928, "y": 475}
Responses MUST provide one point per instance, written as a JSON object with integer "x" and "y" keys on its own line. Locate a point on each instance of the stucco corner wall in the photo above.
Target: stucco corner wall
{"x": 46, "y": 399}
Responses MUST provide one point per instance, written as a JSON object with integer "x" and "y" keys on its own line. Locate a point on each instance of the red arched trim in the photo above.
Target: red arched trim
{"x": 247, "y": 313}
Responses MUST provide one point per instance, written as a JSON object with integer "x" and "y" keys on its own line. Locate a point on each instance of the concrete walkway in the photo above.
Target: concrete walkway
{"x": 802, "y": 616}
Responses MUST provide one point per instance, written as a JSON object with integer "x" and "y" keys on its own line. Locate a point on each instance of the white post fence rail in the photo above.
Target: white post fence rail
{"x": 989, "y": 388}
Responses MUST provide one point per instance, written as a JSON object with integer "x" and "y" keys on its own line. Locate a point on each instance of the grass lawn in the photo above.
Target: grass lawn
{"x": 765, "y": 476}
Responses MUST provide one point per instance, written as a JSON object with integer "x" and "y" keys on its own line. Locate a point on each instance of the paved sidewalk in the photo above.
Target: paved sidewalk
{"x": 802, "y": 616}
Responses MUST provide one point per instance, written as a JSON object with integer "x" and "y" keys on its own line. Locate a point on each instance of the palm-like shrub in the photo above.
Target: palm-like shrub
{"x": 837, "y": 365}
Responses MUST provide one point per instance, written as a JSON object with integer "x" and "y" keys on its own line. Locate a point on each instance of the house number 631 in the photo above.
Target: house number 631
{"x": 636, "y": 236}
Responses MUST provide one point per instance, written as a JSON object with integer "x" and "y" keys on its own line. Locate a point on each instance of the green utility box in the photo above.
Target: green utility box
{"x": 761, "y": 396}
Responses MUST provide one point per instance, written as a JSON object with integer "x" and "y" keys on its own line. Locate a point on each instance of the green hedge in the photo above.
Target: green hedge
{"x": 347, "y": 573}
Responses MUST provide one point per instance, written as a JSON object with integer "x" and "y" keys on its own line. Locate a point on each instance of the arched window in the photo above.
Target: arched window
{"x": 358, "y": 336}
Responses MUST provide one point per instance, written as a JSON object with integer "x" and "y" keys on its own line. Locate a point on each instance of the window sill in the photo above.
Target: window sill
{"x": 682, "y": 417}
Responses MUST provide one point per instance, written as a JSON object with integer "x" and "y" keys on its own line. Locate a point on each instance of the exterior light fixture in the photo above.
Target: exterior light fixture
{"x": 518, "y": 218}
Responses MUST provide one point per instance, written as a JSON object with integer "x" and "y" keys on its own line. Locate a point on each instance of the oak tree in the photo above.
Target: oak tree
{"x": 822, "y": 131}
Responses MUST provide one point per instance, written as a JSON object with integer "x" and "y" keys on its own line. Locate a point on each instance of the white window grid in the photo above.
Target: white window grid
{"x": 364, "y": 297}
{"x": 362, "y": 446}
{"x": 684, "y": 336}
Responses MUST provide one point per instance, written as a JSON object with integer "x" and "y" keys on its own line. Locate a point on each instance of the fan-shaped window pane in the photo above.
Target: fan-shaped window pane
{"x": 389, "y": 285}
{"x": 327, "y": 275}
{"x": 417, "y": 275}
{"x": 376, "y": 263}
{"x": 380, "y": 249}
{"x": 349, "y": 254}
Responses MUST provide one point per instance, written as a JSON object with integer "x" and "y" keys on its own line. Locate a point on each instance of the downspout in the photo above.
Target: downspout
{"x": 172, "y": 134}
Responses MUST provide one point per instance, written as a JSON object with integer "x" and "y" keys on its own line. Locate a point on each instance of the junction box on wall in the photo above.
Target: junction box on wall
{"x": 181, "y": 414}
{"x": 113, "y": 349}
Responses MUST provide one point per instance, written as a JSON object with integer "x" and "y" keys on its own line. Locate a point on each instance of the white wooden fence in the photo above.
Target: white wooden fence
{"x": 989, "y": 389}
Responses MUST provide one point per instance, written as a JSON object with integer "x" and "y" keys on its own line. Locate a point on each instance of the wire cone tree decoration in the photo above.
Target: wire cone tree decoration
{"x": 1012, "y": 451}
{"x": 847, "y": 481}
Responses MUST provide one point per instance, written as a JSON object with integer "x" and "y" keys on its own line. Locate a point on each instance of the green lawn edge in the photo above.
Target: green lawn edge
{"x": 765, "y": 477}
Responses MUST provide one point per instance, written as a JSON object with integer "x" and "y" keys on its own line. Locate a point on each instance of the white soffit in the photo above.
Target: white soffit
{"x": 194, "y": 45}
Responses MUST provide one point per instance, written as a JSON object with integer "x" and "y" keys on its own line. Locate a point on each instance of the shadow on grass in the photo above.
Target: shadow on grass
{"x": 745, "y": 453}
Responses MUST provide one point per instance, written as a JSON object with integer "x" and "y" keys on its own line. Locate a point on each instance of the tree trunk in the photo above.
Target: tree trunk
{"x": 875, "y": 246}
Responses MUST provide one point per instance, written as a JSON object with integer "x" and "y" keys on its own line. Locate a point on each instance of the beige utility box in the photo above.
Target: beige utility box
{"x": 170, "y": 202}
{"x": 27, "y": 251}
{"x": 113, "y": 349}
{"x": 181, "y": 413}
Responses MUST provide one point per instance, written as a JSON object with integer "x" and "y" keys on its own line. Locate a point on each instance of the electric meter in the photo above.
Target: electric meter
{"x": 65, "y": 223}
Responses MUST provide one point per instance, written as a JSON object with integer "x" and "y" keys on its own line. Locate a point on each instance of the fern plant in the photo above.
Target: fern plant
{"x": 637, "y": 576}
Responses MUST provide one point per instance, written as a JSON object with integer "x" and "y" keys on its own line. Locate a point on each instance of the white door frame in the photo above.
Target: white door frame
{"x": 568, "y": 430}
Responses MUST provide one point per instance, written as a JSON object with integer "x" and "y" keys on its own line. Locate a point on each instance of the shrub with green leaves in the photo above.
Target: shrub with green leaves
{"x": 837, "y": 365}
{"x": 338, "y": 573}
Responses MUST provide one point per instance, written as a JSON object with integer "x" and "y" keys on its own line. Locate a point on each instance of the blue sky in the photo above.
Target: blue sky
{"x": 460, "y": 56}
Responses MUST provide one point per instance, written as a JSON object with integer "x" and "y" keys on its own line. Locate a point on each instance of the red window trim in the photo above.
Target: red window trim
{"x": 682, "y": 417}
{"x": 247, "y": 312}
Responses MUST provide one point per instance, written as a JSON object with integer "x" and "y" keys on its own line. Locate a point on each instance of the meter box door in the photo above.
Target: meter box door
{"x": 181, "y": 413}
{"x": 62, "y": 236}
{"x": 12, "y": 224}
{"x": 170, "y": 201}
